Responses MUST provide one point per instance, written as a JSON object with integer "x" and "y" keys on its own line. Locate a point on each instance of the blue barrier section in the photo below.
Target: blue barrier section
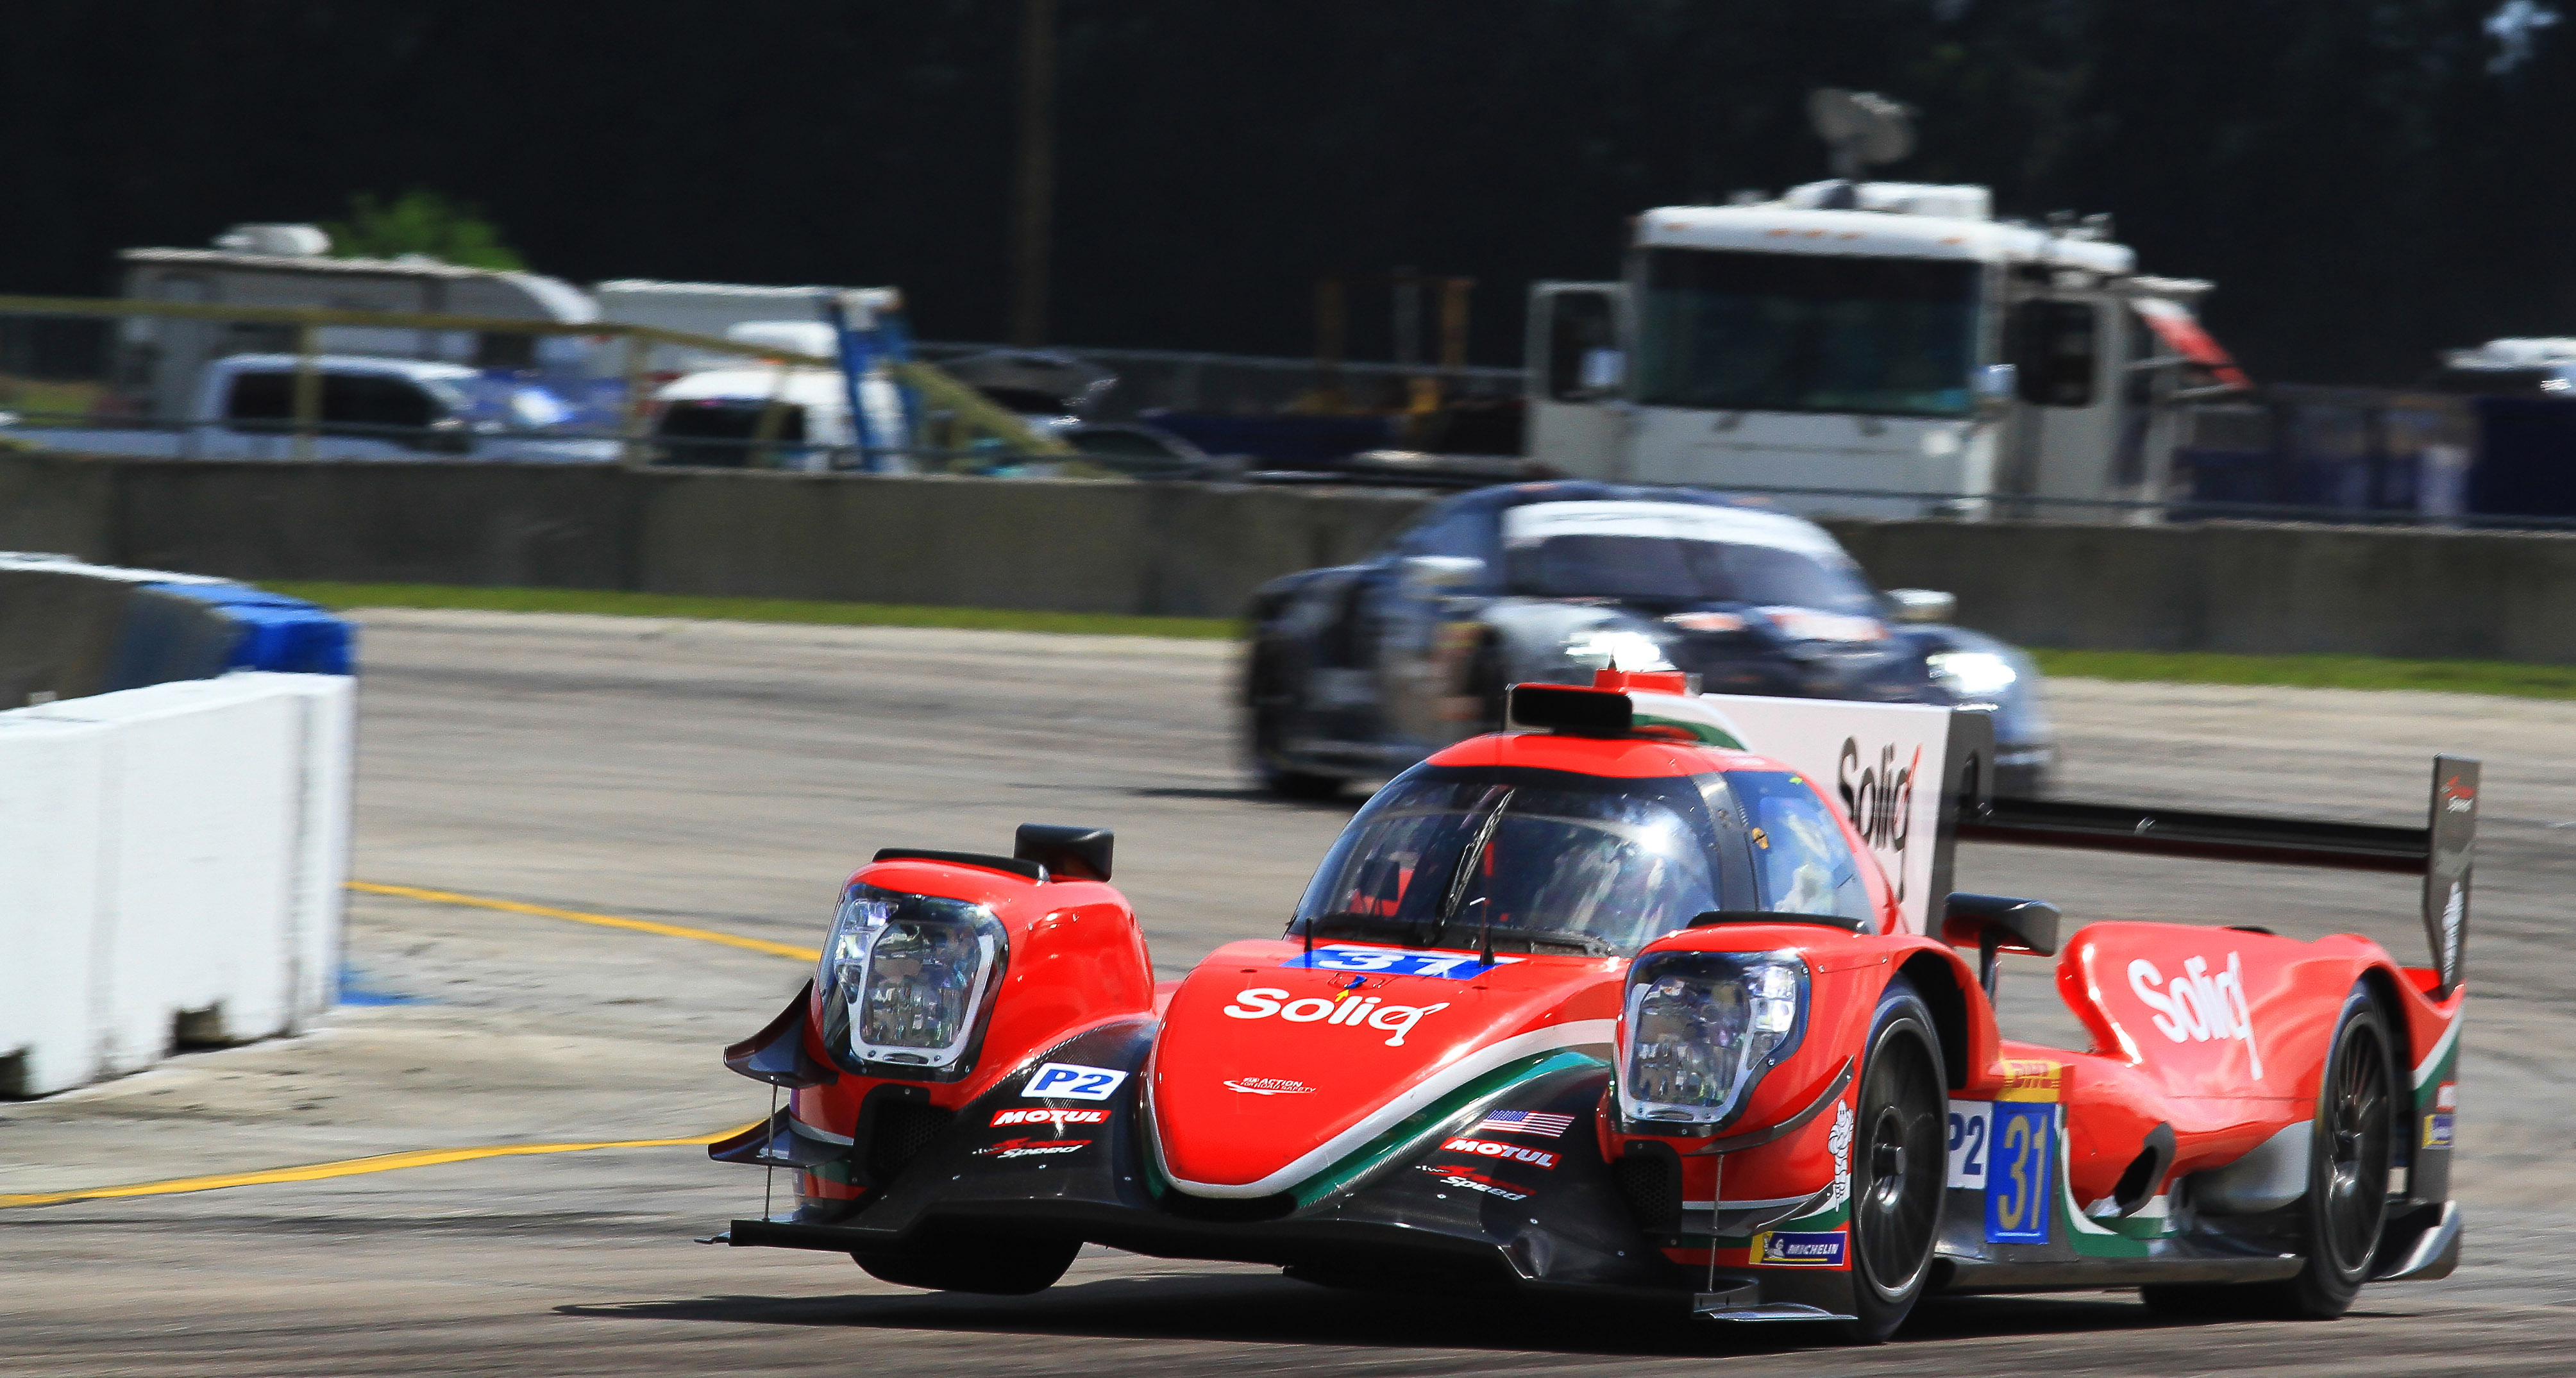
{"x": 199, "y": 631}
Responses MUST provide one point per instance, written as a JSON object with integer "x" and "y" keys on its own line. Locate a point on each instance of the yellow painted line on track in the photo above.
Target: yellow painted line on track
{"x": 348, "y": 1167}
{"x": 666, "y": 930}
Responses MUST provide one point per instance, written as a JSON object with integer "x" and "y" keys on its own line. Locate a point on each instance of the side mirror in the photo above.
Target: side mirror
{"x": 1996, "y": 924}
{"x": 1604, "y": 371}
{"x": 1997, "y": 386}
{"x": 1439, "y": 573}
{"x": 1922, "y": 605}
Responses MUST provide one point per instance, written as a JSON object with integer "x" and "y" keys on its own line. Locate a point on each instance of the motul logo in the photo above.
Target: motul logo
{"x": 1487, "y": 1148}
{"x": 2198, "y": 1006}
{"x": 1054, "y": 1117}
{"x": 1880, "y": 800}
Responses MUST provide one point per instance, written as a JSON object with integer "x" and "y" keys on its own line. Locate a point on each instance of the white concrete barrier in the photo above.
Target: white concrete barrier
{"x": 172, "y": 861}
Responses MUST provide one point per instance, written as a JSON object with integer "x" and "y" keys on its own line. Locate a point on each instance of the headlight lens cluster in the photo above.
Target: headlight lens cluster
{"x": 905, "y": 979}
{"x": 1972, "y": 674}
{"x": 1702, "y": 1029}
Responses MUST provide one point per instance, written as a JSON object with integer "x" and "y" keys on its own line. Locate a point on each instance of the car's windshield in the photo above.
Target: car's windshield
{"x": 1730, "y": 331}
{"x": 1444, "y": 858}
{"x": 1648, "y": 550}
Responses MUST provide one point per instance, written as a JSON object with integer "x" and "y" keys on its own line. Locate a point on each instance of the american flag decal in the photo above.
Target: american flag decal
{"x": 1524, "y": 1122}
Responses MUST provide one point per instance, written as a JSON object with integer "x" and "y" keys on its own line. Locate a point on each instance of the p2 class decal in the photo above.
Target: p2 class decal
{"x": 1971, "y": 1142}
{"x": 1073, "y": 1081}
{"x": 1798, "y": 1249}
{"x": 1049, "y": 1116}
{"x": 1032, "y": 1148}
{"x": 1385, "y": 961}
{"x": 2019, "y": 1185}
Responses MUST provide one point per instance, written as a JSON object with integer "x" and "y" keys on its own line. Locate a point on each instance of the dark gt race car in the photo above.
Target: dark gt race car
{"x": 1615, "y": 1006}
{"x": 1359, "y": 671}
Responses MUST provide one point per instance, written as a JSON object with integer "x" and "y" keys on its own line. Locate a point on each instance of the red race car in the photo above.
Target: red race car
{"x": 1656, "y": 995}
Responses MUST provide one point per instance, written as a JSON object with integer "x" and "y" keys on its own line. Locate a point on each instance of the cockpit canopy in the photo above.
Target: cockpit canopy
{"x": 1555, "y": 861}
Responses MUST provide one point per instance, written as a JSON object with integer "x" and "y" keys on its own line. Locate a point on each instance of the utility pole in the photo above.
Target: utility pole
{"x": 1035, "y": 209}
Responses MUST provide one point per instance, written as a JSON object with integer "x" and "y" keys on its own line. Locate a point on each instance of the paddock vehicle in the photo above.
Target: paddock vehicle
{"x": 1615, "y": 1006}
{"x": 1359, "y": 671}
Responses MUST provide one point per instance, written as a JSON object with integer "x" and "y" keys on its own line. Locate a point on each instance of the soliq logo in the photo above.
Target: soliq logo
{"x": 2198, "y": 1006}
{"x": 1880, "y": 799}
{"x": 1261, "y": 1002}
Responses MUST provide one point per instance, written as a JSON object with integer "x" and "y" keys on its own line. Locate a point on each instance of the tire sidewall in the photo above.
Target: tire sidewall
{"x": 1901, "y": 1014}
{"x": 2326, "y": 1287}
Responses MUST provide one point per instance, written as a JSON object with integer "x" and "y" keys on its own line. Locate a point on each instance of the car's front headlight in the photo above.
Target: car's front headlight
{"x": 905, "y": 981}
{"x": 1702, "y": 1029}
{"x": 1613, "y": 649}
{"x": 1972, "y": 674}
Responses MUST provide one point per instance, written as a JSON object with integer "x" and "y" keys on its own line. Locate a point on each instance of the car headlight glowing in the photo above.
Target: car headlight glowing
{"x": 1702, "y": 1029}
{"x": 905, "y": 981}
{"x": 1972, "y": 674}
{"x": 1604, "y": 649}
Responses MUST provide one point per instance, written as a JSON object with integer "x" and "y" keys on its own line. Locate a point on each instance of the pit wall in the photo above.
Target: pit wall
{"x": 1199, "y": 550}
{"x": 171, "y": 868}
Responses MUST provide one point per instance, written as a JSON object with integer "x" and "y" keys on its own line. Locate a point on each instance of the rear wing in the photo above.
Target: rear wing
{"x": 1916, "y": 780}
{"x": 2443, "y": 851}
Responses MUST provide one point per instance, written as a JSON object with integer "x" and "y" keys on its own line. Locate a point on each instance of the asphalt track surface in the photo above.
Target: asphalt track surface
{"x": 726, "y": 778}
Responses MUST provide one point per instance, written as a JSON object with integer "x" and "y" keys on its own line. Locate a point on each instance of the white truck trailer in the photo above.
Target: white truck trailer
{"x": 1865, "y": 340}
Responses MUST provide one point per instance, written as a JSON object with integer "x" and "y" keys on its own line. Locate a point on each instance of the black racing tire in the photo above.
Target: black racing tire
{"x": 2346, "y": 1205}
{"x": 1000, "y": 1266}
{"x": 1899, "y": 1164}
{"x": 1266, "y": 706}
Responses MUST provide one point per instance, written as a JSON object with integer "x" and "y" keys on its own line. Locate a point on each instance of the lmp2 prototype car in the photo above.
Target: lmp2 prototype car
{"x": 1358, "y": 671}
{"x": 1612, "y": 1005}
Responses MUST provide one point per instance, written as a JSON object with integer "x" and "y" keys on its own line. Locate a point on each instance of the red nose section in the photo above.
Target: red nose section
{"x": 1270, "y": 1072}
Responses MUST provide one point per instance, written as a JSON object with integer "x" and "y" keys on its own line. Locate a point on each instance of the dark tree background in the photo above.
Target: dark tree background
{"x": 2356, "y": 175}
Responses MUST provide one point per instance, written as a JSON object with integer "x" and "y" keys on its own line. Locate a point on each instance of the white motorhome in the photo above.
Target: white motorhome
{"x": 1870, "y": 338}
{"x": 159, "y": 362}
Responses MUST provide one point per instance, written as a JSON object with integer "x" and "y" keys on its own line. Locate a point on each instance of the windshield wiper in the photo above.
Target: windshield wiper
{"x": 1466, "y": 868}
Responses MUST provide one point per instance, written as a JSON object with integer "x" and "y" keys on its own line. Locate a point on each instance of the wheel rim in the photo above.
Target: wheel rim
{"x": 2358, "y": 1115}
{"x": 1898, "y": 1167}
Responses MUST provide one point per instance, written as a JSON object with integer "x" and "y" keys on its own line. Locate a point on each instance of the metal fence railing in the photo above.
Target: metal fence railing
{"x": 1152, "y": 380}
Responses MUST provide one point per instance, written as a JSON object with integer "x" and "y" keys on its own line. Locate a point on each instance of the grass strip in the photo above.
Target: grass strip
{"x": 2317, "y": 672}
{"x": 2175, "y": 667}
{"x": 817, "y": 612}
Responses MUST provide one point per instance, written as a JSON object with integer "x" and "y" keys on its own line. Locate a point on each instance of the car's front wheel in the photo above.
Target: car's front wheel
{"x": 1899, "y": 1164}
{"x": 1003, "y": 1266}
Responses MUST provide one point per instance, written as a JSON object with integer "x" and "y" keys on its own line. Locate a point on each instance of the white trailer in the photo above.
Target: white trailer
{"x": 1860, "y": 338}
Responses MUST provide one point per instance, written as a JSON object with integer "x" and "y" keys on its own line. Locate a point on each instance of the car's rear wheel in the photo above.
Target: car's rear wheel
{"x": 1899, "y": 1164}
{"x": 1001, "y": 1265}
{"x": 2358, "y": 1114}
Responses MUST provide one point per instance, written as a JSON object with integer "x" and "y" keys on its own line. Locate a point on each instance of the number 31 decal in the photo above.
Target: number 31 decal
{"x": 2018, "y": 1185}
